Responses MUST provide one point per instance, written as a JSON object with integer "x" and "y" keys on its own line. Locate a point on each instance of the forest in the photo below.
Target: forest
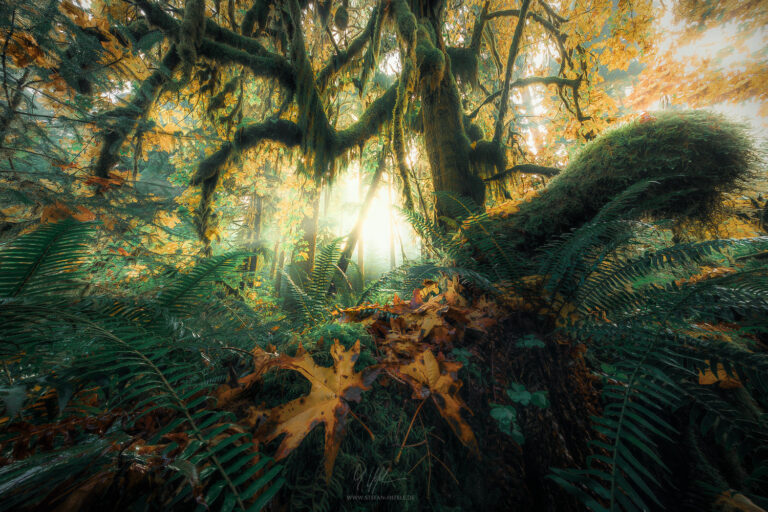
{"x": 389, "y": 255}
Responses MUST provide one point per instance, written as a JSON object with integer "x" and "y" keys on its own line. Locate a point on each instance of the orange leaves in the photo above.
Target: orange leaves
{"x": 733, "y": 501}
{"x": 58, "y": 211}
{"x": 409, "y": 333}
{"x": 228, "y": 393}
{"x": 326, "y": 403}
{"x": 407, "y": 337}
{"x": 707, "y": 273}
{"x": 723, "y": 378}
{"x": 25, "y": 50}
{"x": 105, "y": 183}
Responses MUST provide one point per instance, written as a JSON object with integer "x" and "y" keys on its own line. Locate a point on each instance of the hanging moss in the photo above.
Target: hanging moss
{"x": 404, "y": 89}
{"x": 405, "y": 22}
{"x": 255, "y": 16}
{"x": 486, "y": 158}
{"x": 430, "y": 60}
{"x": 473, "y": 131}
{"x": 192, "y": 30}
{"x": 341, "y": 18}
{"x": 217, "y": 101}
{"x": 464, "y": 64}
{"x": 697, "y": 157}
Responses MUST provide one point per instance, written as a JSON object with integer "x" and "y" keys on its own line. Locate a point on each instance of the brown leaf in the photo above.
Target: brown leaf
{"x": 733, "y": 501}
{"x": 436, "y": 378}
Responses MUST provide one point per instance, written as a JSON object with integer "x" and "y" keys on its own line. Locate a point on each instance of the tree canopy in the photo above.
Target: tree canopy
{"x": 505, "y": 254}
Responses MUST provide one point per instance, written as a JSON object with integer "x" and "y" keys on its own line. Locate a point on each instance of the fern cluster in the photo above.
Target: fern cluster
{"x": 150, "y": 364}
{"x": 680, "y": 353}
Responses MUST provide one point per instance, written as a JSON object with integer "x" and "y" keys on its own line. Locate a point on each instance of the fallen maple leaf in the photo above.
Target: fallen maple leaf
{"x": 332, "y": 388}
{"x": 733, "y": 501}
{"x": 227, "y": 393}
{"x": 430, "y": 377}
{"x": 723, "y": 378}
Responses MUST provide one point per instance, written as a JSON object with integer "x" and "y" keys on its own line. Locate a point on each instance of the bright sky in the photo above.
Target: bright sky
{"x": 722, "y": 41}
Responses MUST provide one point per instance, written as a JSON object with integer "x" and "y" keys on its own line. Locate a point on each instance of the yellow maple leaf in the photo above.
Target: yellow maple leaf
{"x": 327, "y": 401}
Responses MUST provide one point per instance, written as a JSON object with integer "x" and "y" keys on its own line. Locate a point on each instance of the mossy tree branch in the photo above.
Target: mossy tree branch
{"x": 513, "y": 50}
{"x": 354, "y": 49}
{"x": 525, "y": 169}
{"x": 121, "y": 121}
{"x": 223, "y": 45}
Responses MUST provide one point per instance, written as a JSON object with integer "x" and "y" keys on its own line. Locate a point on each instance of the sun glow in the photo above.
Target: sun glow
{"x": 344, "y": 202}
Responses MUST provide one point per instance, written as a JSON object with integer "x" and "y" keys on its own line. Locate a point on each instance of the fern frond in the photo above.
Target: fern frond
{"x": 192, "y": 288}
{"x": 45, "y": 261}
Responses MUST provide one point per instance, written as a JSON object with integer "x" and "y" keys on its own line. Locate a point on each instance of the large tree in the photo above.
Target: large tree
{"x": 463, "y": 80}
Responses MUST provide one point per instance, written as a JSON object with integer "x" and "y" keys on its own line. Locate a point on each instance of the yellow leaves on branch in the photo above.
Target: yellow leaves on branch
{"x": 167, "y": 219}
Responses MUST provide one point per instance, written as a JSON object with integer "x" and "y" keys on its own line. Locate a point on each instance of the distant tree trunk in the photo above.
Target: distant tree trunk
{"x": 273, "y": 267}
{"x": 279, "y": 273}
{"x": 391, "y": 226}
{"x": 309, "y": 226}
{"x": 253, "y": 234}
{"x": 326, "y": 199}
{"x": 357, "y": 231}
{"x": 360, "y": 239}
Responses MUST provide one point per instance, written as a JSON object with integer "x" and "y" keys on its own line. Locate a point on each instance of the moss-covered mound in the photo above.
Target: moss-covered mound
{"x": 695, "y": 156}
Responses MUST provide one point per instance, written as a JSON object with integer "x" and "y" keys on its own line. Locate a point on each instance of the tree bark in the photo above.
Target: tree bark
{"x": 391, "y": 225}
{"x": 447, "y": 144}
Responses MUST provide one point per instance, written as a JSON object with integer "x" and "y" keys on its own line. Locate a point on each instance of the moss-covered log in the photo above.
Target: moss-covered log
{"x": 696, "y": 157}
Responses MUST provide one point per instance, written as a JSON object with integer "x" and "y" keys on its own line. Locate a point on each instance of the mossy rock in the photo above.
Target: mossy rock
{"x": 697, "y": 157}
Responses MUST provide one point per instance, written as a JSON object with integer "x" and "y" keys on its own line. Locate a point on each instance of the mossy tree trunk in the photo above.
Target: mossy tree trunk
{"x": 427, "y": 74}
{"x": 446, "y": 143}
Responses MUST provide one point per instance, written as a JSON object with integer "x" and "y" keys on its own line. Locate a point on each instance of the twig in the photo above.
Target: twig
{"x": 373, "y": 437}
{"x": 402, "y": 445}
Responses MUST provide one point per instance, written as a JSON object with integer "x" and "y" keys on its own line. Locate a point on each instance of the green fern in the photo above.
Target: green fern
{"x": 140, "y": 359}
{"x": 45, "y": 261}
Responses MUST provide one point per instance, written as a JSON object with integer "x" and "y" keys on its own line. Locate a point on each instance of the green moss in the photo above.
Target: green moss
{"x": 474, "y": 131}
{"x": 341, "y": 18}
{"x": 697, "y": 157}
{"x": 430, "y": 60}
{"x": 255, "y": 16}
{"x": 191, "y": 30}
{"x": 405, "y": 21}
{"x": 464, "y": 64}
